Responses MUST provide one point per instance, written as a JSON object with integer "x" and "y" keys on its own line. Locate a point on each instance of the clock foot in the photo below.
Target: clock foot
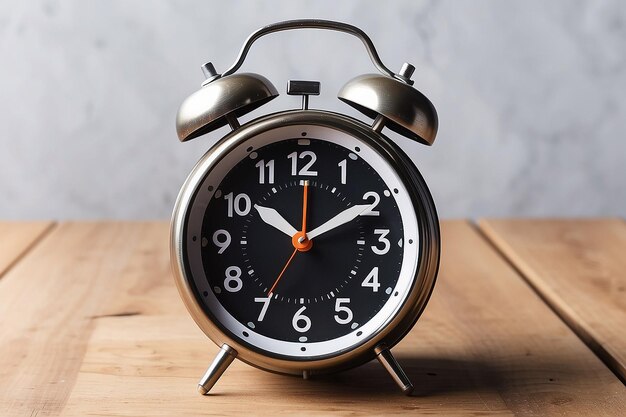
{"x": 386, "y": 359}
{"x": 221, "y": 362}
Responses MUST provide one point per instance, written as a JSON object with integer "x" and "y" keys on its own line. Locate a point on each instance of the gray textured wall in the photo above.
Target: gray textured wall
{"x": 530, "y": 97}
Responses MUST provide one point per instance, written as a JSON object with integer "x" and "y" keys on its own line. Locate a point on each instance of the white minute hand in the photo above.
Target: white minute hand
{"x": 344, "y": 217}
{"x": 273, "y": 218}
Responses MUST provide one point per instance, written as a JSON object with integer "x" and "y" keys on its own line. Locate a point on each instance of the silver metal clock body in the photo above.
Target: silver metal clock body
{"x": 391, "y": 101}
{"x": 393, "y": 328}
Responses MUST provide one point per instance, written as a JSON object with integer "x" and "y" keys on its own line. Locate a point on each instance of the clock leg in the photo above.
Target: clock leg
{"x": 386, "y": 359}
{"x": 223, "y": 359}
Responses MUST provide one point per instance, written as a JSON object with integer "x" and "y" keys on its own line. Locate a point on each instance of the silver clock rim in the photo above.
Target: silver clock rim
{"x": 423, "y": 282}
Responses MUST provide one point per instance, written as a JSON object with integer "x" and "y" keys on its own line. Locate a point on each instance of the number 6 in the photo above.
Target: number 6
{"x": 297, "y": 318}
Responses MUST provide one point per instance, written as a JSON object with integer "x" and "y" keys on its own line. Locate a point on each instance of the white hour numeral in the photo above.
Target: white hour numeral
{"x": 343, "y": 309}
{"x": 306, "y": 169}
{"x": 233, "y": 282}
{"x": 221, "y": 243}
{"x": 370, "y": 211}
{"x": 261, "y": 165}
{"x": 266, "y": 304}
{"x": 343, "y": 166}
{"x": 381, "y": 239}
{"x": 240, "y": 204}
{"x": 300, "y": 322}
{"x": 371, "y": 280}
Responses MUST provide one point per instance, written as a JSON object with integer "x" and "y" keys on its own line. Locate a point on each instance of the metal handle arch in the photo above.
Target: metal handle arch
{"x": 311, "y": 24}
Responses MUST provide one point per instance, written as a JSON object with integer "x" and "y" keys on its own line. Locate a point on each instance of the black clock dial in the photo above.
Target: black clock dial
{"x": 326, "y": 292}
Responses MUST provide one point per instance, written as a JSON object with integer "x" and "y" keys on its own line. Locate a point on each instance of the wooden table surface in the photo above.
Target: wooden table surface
{"x": 528, "y": 317}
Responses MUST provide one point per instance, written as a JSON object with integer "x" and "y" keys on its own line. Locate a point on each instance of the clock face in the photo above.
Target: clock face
{"x": 301, "y": 241}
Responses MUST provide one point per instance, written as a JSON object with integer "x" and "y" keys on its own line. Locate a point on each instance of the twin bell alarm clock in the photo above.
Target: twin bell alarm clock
{"x": 305, "y": 241}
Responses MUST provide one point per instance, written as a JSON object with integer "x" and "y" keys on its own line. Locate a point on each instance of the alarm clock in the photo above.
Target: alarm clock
{"x": 305, "y": 241}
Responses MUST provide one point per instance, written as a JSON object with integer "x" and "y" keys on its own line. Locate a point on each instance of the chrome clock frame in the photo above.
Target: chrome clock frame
{"x": 379, "y": 344}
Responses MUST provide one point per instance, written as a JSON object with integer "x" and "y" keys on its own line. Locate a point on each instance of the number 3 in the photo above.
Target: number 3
{"x": 382, "y": 239}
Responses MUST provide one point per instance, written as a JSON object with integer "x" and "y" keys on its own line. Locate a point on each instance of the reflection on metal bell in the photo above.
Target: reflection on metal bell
{"x": 406, "y": 110}
{"x": 220, "y": 101}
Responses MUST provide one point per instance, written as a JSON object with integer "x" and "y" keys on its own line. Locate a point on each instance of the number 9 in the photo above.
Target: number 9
{"x": 221, "y": 243}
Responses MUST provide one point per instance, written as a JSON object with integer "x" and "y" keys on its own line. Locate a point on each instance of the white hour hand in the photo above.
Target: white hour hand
{"x": 273, "y": 218}
{"x": 345, "y": 216}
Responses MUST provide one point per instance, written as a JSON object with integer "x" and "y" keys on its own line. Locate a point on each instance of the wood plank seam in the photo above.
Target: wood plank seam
{"x": 565, "y": 314}
{"x": 469, "y": 354}
{"x": 42, "y": 347}
{"x": 29, "y": 248}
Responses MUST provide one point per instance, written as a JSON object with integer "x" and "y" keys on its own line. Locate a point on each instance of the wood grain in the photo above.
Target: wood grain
{"x": 579, "y": 268}
{"x": 51, "y": 300}
{"x": 91, "y": 325}
{"x": 16, "y": 238}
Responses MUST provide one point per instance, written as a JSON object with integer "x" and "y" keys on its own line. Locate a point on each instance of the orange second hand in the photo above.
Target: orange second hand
{"x": 282, "y": 272}
{"x": 304, "y": 205}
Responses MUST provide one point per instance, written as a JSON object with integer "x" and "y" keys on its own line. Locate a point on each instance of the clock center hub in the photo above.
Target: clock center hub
{"x": 301, "y": 242}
